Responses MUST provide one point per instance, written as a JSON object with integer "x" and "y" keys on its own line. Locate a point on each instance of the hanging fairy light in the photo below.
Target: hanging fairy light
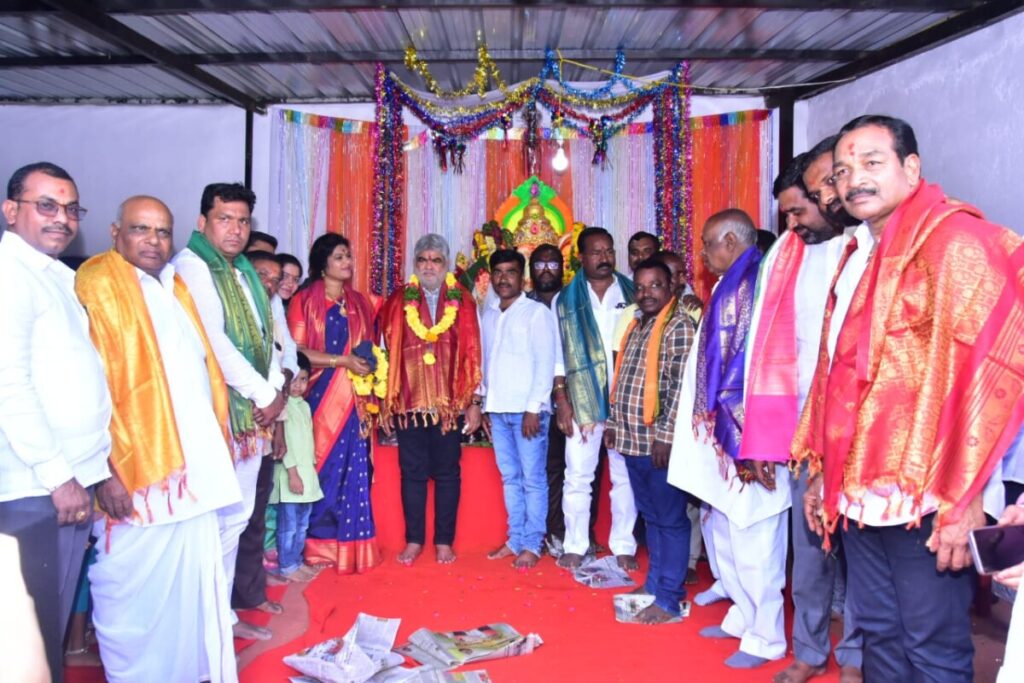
{"x": 560, "y": 162}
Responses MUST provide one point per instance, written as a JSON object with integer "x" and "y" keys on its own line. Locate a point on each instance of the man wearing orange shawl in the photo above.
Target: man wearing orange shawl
{"x": 431, "y": 333}
{"x": 159, "y": 577}
{"x": 789, "y": 304}
{"x": 916, "y": 397}
{"x": 641, "y": 421}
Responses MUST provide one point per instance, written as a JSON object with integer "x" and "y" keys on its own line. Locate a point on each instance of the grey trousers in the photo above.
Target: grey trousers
{"x": 814, "y": 576}
{"x": 51, "y": 561}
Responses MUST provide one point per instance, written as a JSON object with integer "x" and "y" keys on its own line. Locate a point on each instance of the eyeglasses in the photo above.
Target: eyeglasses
{"x": 49, "y": 208}
{"x": 547, "y": 265}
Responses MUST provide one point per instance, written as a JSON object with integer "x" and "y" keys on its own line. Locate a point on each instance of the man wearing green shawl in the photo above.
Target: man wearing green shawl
{"x": 588, "y": 309}
{"x": 236, "y": 314}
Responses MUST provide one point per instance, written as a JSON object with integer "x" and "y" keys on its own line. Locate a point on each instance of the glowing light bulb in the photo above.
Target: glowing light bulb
{"x": 560, "y": 162}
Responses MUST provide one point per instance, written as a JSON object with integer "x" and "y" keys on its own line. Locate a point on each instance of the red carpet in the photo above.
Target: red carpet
{"x": 582, "y": 640}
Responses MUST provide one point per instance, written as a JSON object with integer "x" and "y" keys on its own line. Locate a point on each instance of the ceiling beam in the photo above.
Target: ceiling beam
{"x": 154, "y": 7}
{"x": 86, "y": 17}
{"x": 946, "y": 30}
{"x": 392, "y": 57}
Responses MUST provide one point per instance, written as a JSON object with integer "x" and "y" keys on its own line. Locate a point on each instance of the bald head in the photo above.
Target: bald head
{"x": 725, "y": 237}
{"x": 143, "y": 233}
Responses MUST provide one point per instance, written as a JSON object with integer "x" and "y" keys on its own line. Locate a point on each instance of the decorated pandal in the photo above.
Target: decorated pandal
{"x": 597, "y": 114}
{"x": 531, "y": 216}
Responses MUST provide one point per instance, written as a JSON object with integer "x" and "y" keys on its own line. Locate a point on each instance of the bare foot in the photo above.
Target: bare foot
{"x": 652, "y": 614}
{"x": 445, "y": 554}
{"x": 850, "y": 674}
{"x": 276, "y": 579}
{"x": 410, "y": 553}
{"x": 81, "y": 657}
{"x": 627, "y": 562}
{"x": 526, "y": 559}
{"x": 501, "y": 553}
{"x": 570, "y": 561}
{"x": 798, "y": 672}
{"x": 320, "y": 565}
{"x": 270, "y": 607}
{"x": 247, "y": 631}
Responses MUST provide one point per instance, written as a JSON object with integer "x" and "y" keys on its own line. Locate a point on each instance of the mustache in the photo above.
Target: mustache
{"x": 604, "y": 265}
{"x": 58, "y": 226}
{"x": 858, "y": 191}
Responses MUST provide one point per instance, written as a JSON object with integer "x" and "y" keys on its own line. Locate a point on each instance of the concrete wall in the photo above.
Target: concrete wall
{"x": 964, "y": 101}
{"x": 116, "y": 151}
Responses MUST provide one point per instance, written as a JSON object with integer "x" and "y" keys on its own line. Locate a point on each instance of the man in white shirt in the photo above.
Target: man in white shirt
{"x": 237, "y": 317}
{"x": 782, "y": 354}
{"x": 588, "y": 309}
{"x": 519, "y": 361}
{"x": 54, "y": 404}
{"x": 161, "y": 603}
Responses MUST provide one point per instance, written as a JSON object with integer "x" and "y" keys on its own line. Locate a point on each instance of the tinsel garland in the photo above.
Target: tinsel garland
{"x": 453, "y": 125}
{"x": 686, "y": 181}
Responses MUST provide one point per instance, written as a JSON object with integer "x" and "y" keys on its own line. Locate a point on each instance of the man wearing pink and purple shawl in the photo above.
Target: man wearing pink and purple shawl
{"x": 744, "y": 509}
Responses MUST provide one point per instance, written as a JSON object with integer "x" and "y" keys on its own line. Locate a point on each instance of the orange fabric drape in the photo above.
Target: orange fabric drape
{"x": 350, "y": 197}
{"x": 726, "y": 174}
{"x": 506, "y": 170}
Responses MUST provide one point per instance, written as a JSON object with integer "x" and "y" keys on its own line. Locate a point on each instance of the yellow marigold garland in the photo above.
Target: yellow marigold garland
{"x": 412, "y": 314}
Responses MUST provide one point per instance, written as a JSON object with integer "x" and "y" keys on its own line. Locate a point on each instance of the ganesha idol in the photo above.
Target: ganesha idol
{"x": 532, "y": 215}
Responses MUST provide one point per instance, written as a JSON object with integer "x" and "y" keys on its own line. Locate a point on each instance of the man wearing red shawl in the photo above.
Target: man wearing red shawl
{"x": 916, "y": 398}
{"x": 431, "y": 333}
{"x": 782, "y": 354}
{"x": 745, "y": 509}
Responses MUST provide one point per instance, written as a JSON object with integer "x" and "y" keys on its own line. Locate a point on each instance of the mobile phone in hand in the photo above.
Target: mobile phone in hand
{"x": 996, "y": 548}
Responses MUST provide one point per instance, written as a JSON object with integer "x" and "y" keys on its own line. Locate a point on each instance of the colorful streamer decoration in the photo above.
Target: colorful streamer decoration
{"x": 598, "y": 115}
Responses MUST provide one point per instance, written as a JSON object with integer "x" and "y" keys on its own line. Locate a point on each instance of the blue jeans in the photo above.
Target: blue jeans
{"x": 523, "y": 466}
{"x": 292, "y": 522}
{"x": 914, "y": 619}
{"x": 663, "y": 508}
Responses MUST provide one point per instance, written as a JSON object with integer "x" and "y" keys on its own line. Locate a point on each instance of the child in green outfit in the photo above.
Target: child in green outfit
{"x": 296, "y": 484}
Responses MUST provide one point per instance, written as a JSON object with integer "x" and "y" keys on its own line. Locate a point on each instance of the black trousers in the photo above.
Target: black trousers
{"x": 250, "y": 589}
{"x": 51, "y": 562}
{"x": 556, "y": 480}
{"x": 424, "y": 452}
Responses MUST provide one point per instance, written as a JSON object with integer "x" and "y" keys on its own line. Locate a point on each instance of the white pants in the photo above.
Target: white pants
{"x": 716, "y": 588}
{"x": 693, "y": 514}
{"x": 161, "y": 606}
{"x": 752, "y": 566}
{"x": 234, "y": 518}
{"x": 581, "y": 458}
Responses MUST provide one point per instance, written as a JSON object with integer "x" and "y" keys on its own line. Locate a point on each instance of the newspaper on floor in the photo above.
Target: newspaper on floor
{"x": 353, "y": 658}
{"x": 629, "y": 605}
{"x": 450, "y": 649}
{"x": 602, "y": 572}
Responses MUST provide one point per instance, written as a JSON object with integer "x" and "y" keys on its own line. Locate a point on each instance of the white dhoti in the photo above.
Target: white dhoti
{"x": 746, "y": 534}
{"x": 234, "y": 518}
{"x": 581, "y": 458}
{"x": 161, "y": 604}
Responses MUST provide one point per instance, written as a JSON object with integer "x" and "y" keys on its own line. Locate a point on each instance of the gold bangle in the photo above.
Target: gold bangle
{"x": 334, "y": 361}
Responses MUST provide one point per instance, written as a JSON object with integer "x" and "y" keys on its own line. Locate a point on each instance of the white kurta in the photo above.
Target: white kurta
{"x": 582, "y": 454}
{"x": 159, "y": 578}
{"x": 746, "y": 531}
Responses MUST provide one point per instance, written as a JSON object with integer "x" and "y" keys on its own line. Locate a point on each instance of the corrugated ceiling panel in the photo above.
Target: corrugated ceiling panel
{"x": 178, "y": 32}
{"x": 725, "y": 28}
{"x": 345, "y": 29}
{"x": 384, "y": 29}
{"x": 47, "y": 34}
